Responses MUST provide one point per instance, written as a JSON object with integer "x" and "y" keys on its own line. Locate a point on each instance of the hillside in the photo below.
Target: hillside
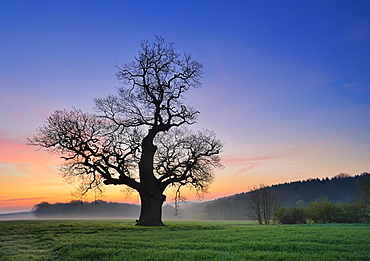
{"x": 341, "y": 188}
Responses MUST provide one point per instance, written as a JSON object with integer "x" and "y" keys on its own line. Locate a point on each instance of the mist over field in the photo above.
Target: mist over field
{"x": 285, "y": 85}
{"x": 340, "y": 189}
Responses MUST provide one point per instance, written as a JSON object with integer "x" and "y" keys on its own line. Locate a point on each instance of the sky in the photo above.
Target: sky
{"x": 286, "y": 84}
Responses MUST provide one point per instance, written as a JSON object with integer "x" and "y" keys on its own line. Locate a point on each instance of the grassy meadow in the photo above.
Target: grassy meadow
{"x": 181, "y": 240}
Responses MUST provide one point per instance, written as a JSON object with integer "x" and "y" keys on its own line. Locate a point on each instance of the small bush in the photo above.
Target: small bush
{"x": 324, "y": 211}
{"x": 353, "y": 213}
{"x": 291, "y": 216}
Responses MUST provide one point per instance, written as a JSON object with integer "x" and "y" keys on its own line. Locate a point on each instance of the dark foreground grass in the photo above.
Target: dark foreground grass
{"x": 186, "y": 240}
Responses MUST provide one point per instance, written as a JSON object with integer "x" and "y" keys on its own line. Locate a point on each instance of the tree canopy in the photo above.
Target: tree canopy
{"x": 138, "y": 137}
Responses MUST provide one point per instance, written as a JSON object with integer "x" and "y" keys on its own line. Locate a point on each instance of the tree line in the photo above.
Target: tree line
{"x": 80, "y": 209}
{"x": 96, "y": 209}
{"x": 342, "y": 188}
{"x": 264, "y": 204}
{"x": 324, "y": 211}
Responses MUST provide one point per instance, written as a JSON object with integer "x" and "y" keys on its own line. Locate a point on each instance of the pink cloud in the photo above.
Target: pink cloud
{"x": 249, "y": 162}
{"x": 23, "y": 204}
{"x": 319, "y": 147}
{"x": 28, "y": 161}
{"x": 251, "y": 159}
{"x": 246, "y": 168}
{"x": 16, "y": 200}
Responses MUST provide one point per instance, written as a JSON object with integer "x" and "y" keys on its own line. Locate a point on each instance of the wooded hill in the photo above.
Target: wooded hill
{"x": 97, "y": 209}
{"x": 341, "y": 188}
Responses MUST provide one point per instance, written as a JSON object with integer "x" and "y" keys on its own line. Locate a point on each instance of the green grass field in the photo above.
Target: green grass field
{"x": 181, "y": 240}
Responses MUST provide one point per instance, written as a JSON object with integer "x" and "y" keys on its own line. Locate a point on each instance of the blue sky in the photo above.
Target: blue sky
{"x": 286, "y": 84}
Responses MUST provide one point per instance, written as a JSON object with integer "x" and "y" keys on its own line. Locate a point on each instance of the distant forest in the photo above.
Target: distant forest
{"x": 96, "y": 209}
{"x": 341, "y": 188}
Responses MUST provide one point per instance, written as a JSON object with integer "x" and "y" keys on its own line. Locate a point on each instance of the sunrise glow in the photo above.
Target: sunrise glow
{"x": 286, "y": 85}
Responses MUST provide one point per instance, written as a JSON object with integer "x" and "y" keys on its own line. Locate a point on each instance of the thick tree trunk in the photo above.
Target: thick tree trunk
{"x": 151, "y": 209}
{"x": 151, "y": 190}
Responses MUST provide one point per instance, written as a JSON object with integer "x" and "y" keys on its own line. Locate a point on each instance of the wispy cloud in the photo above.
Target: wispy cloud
{"x": 318, "y": 147}
{"x": 25, "y": 203}
{"x": 248, "y": 160}
{"x": 246, "y": 168}
{"x": 16, "y": 200}
{"x": 249, "y": 163}
{"x": 26, "y": 160}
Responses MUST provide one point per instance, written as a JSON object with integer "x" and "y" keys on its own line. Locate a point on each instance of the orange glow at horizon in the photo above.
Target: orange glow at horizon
{"x": 29, "y": 177}
{"x": 289, "y": 97}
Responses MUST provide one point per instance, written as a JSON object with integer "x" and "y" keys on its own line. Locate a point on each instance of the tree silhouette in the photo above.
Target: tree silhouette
{"x": 262, "y": 203}
{"x": 364, "y": 188}
{"x": 138, "y": 137}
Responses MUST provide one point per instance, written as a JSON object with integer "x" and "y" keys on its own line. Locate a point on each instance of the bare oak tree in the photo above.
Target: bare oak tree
{"x": 138, "y": 137}
{"x": 262, "y": 203}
